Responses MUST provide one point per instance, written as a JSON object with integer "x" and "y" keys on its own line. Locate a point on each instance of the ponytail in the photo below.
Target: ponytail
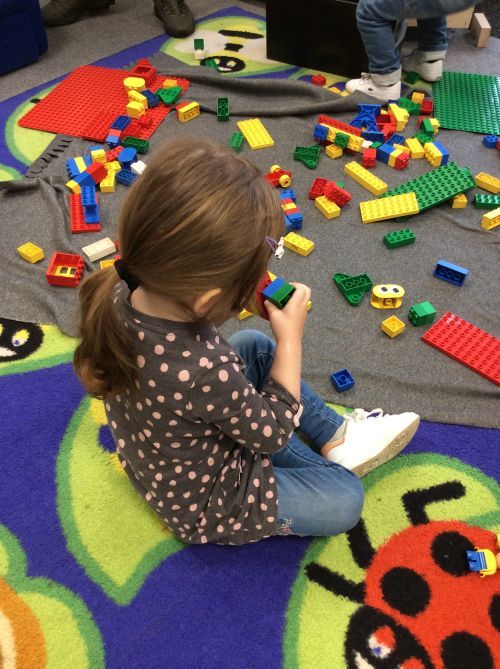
{"x": 103, "y": 360}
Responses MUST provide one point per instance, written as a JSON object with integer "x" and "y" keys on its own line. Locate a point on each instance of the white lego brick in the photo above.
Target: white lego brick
{"x": 100, "y": 249}
{"x": 138, "y": 167}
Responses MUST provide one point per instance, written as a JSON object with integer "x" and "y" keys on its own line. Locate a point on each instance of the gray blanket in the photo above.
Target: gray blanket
{"x": 395, "y": 374}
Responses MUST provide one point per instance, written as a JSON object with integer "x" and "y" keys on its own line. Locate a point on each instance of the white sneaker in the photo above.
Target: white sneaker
{"x": 428, "y": 64}
{"x": 371, "y": 438}
{"x": 369, "y": 86}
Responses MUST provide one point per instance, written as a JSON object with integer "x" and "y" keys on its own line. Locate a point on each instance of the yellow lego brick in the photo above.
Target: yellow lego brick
{"x": 333, "y": 151}
{"x": 394, "y": 155}
{"x": 134, "y": 109}
{"x": 244, "y": 313}
{"x": 188, "y": 112}
{"x": 389, "y": 207}
{"x": 365, "y": 178}
{"x": 488, "y": 182}
{"x": 459, "y": 201}
{"x": 327, "y": 208}
{"x": 491, "y": 219}
{"x": 403, "y": 149}
{"x": 135, "y": 96}
{"x": 99, "y": 155}
{"x": 169, "y": 83}
{"x": 114, "y": 166}
{"x": 392, "y": 326}
{"x": 134, "y": 84}
{"x": 435, "y": 124}
{"x": 255, "y": 133}
{"x": 401, "y": 116}
{"x": 432, "y": 154}
{"x": 107, "y": 263}
{"x": 387, "y": 296}
{"x": 74, "y": 187}
{"x": 288, "y": 205}
{"x": 355, "y": 143}
{"x": 417, "y": 97}
{"x": 299, "y": 244}
{"x": 108, "y": 184}
{"x": 416, "y": 149}
{"x": 80, "y": 163}
{"x": 31, "y": 252}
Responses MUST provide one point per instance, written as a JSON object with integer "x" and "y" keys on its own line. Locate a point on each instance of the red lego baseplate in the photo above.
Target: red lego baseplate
{"x": 87, "y": 102}
{"x": 467, "y": 344}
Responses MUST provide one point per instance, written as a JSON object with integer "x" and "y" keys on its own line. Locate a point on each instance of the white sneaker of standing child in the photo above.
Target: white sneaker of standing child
{"x": 372, "y": 438}
{"x": 428, "y": 64}
{"x": 381, "y": 86}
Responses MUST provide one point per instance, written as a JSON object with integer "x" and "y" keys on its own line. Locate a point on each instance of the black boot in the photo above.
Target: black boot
{"x": 175, "y": 16}
{"x": 62, "y": 12}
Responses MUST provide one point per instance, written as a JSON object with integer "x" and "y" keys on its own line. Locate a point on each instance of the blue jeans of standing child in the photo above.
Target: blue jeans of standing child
{"x": 316, "y": 497}
{"x": 376, "y": 19}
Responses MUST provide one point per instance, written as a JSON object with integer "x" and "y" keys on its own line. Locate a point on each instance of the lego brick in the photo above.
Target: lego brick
{"x": 65, "y": 269}
{"x": 77, "y": 216}
{"x": 125, "y": 177}
{"x": 417, "y": 97}
{"x": 127, "y": 156}
{"x": 484, "y": 201}
{"x": 317, "y": 188}
{"x": 278, "y": 292}
{"x": 353, "y": 287}
{"x": 406, "y": 104}
{"x": 447, "y": 271}
{"x": 365, "y": 178}
{"x": 121, "y": 122}
{"x": 255, "y": 133}
{"x": 387, "y": 296}
{"x": 369, "y": 157}
{"x": 342, "y": 380}
{"x": 459, "y": 201}
{"x": 144, "y": 70}
{"x": 345, "y": 140}
{"x": 432, "y": 154}
{"x": 31, "y": 252}
{"x": 402, "y": 160}
{"x": 340, "y": 125}
{"x": 186, "y": 111}
{"x": 427, "y": 107}
{"x": 428, "y": 126}
{"x": 400, "y": 115}
{"x": 299, "y": 244}
{"x": 97, "y": 250}
{"x": 468, "y": 102}
{"x": 366, "y": 116}
{"x": 289, "y": 193}
{"x": 170, "y": 82}
{"x": 138, "y": 167}
{"x": 198, "y": 44}
{"x": 328, "y": 209}
{"x": 98, "y": 154}
{"x": 488, "y": 182}
{"x": 491, "y": 219}
{"x": 307, "y": 155}
{"x": 96, "y": 171}
{"x": 398, "y": 238}
{"x": 392, "y": 326}
{"x": 424, "y": 137}
{"x": 236, "y": 141}
{"x": 337, "y": 194}
{"x": 436, "y": 186}
{"x": 140, "y": 145}
{"x": 320, "y": 133}
{"x": 210, "y": 62}
{"x": 416, "y": 149}
{"x": 151, "y": 98}
{"x": 490, "y": 141}
{"x": 107, "y": 185}
{"x": 141, "y": 99}
{"x": 90, "y": 205}
{"x": 422, "y": 313}
{"x": 244, "y": 313}
{"x": 222, "y": 109}
{"x": 135, "y": 109}
{"x": 333, "y": 151}
{"x": 467, "y": 344}
{"x": 133, "y": 83}
{"x": 395, "y": 139}
{"x": 318, "y": 80}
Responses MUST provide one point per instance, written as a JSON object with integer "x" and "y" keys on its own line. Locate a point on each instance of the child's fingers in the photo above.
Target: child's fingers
{"x": 302, "y": 293}
{"x": 271, "y": 308}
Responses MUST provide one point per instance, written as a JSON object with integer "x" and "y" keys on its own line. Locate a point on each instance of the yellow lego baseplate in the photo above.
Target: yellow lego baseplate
{"x": 365, "y": 178}
{"x": 459, "y": 201}
{"x": 328, "y": 208}
{"x": 389, "y": 207}
{"x": 491, "y": 219}
{"x": 255, "y": 133}
{"x": 31, "y": 252}
{"x": 299, "y": 244}
{"x": 488, "y": 182}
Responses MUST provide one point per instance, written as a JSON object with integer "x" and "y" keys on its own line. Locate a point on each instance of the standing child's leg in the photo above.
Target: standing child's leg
{"x": 427, "y": 59}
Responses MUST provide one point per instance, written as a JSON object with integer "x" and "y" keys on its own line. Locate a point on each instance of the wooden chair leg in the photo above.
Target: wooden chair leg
{"x": 481, "y": 29}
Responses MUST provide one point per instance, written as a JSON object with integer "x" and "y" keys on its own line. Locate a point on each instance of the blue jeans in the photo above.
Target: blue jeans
{"x": 316, "y": 497}
{"x": 376, "y": 19}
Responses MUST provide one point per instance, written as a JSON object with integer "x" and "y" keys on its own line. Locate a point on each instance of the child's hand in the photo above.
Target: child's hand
{"x": 287, "y": 324}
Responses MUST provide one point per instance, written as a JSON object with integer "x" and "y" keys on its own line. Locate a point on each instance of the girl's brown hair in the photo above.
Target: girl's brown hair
{"x": 196, "y": 219}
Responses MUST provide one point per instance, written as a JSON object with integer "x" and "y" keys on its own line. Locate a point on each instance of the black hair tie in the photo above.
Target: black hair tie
{"x": 124, "y": 274}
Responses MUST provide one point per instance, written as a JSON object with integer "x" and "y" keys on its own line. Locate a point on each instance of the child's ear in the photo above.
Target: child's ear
{"x": 205, "y": 301}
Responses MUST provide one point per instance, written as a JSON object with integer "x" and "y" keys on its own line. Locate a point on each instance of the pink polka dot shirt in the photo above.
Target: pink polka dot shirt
{"x": 194, "y": 435}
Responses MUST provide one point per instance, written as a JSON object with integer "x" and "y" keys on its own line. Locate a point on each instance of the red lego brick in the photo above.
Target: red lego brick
{"x": 257, "y": 304}
{"x": 369, "y": 157}
{"x": 317, "y": 188}
{"x": 76, "y": 218}
{"x": 65, "y": 269}
{"x": 144, "y": 70}
{"x": 402, "y": 161}
{"x": 337, "y": 194}
{"x": 67, "y": 110}
{"x": 427, "y": 107}
{"x": 318, "y": 80}
{"x": 112, "y": 154}
{"x": 97, "y": 171}
{"x": 467, "y": 344}
{"x": 332, "y": 122}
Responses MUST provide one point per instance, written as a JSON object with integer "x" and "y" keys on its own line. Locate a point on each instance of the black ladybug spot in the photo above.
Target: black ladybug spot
{"x": 406, "y": 591}
{"x": 463, "y": 651}
{"x": 494, "y": 612}
{"x": 449, "y": 552}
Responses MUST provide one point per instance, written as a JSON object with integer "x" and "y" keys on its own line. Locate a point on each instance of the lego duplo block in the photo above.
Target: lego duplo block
{"x": 97, "y": 172}
{"x": 186, "y": 111}
{"x": 141, "y": 99}
{"x": 103, "y": 264}
{"x": 491, "y": 219}
{"x": 402, "y": 147}
{"x": 340, "y": 125}
{"x": 432, "y": 154}
{"x": 138, "y": 167}
{"x": 422, "y": 313}
{"x": 244, "y": 313}
{"x": 125, "y": 177}
{"x": 395, "y": 139}
{"x": 169, "y": 95}
{"x": 483, "y": 201}
{"x": 424, "y": 137}
{"x": 108, "y": 184}
{"x": 299, "y": 244}
{"x": 140, "y": 145}
{"x": 447, "y": 271}
{"x": 278, "y": 292}
{"x": 430, "y": 125}
{"x": 134, "y": 84}
{"x": 416, "y": 149}
{"x": 400, "y": 115}
{"x": 236, "y": 141}
{"x": 65, "y": 269}
{"x": 445, "y": 154}
{"x": 78, "y": 224}
{"x": 345, "y": 140}
{"x": 198, "y": 43}
{"x": 392, "y": 326}
{"x": 327, "y": 208}
{"x": 151, "y": 98}
{"x": 320, "y": 133}
{"x": 353, "y": 287}
{"x": 427, "y": 107}
{"x": 417, "y": 97}
{"x": 369, "y": 157}
{"x": 31, "y": 252}
{"x": 255, "y": 133}
{"x": 333, "y": 151}
{"x": 490, "y": 141}
{"x": 387, "y": 296}
{"x": 222, "y": 109}
{"x": 467, "y": 344}
{"x": 98, "y": 154}
{"x": 412, "y": 108}
{"x": 97, "y": 250}
{"x": 121, "y": 122}
{"x": 127, "y": 156}
{"x": 317, "y": 188}
{"x": 488, "y": 182}
{"x": 365, "y": 178}
{"x": 134, "y": 109}
{"x": 384, "y": 152}
{"x": 399, "y": 159}
{"x": 398, "y": 238}
{"x": 169, "y": 82}
{"x": 459, "y": 201}
{"x": 307, "y": 155}
{"x": 90, "y": 204}
{"x": 318, "y": 80}
{"x": 337, "y": 194}
{"x": 342, "y": 380}
{"x": 75, "y": 166}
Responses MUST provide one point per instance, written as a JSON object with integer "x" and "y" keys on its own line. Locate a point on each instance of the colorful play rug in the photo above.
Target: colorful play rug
{"x": 89, "y": 578}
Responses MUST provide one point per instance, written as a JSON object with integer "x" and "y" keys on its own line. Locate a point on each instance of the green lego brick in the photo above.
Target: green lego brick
{"x": 436, "y": 186}
{"x": 397, "y": 238}
{"x": 375, "y": 145}
{"x": 307, "y": 155}
{"x": 411, "y": 107}
{"x": 141, "y": 145}
{"x": 222, "y": 109}
{"x": 236, "y": 141}
{"x": 340, "y": 184}
{"x": 342, "y": 140}
{"x": 424, "y": 137}
{"x": 281, "y": 296}
{"x": 412, "y": 77}
{"x": 353, "y": 287}
{"x": 210, "y": 62}
{"x": 422, "y": 313}
{"x": 427, "y": 126}
{"x": 169, "y": 95}
{"x": 468, "y": 102}
{"x": 199, "y": 44}
{"x": 486, "y": 201}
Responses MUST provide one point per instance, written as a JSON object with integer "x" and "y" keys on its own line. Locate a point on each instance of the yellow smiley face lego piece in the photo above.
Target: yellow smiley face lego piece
{"x": 387, "y": 296}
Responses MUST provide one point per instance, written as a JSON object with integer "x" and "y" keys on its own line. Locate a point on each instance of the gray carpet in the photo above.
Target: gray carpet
{"x": 395, "y": 374}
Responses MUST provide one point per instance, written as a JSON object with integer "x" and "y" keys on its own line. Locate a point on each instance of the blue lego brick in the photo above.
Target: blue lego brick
{"x": 272, "y": 287}
{"x": 278, "y": 292}
{"x": 451, "y": 273}
{"x": 288, "y": 193}
{"x": 112, "y": 141}
{"x": 373, "y": 136}
{"x": 490, "y": 141}
{"x": 125, "y": 177}
{"x": 127, "y": 156}
{"x": 121, "y": 122}
{"x": 320, "y": 133}
{"x": 395, "y": 139}
{"x": 445, "y": 153}
{"x": 97, "y": 147}
{"x": 71, "y": 168}
{"x": 295, "y": 220}
{"x": 287, "y": 224}
{"x": 383, "y": 153}
{"x": 90, "y": 206}
{"x": 366, "y": 117}
{"x": 153, "y": 100}
{"x": 342, "y": 380}
{"x": 476, "y": 560}
{"x": 84, "y": 179}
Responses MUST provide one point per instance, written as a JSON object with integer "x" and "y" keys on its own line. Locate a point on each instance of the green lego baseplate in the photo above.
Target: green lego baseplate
{"x": 397, "y": 238}
{"x": 486, "y": 201}
{"x": 307, "y": 155}
{"x": 437, "y": 186}
{"x": 468, "y": 102}
{"x": 353, "y": 287}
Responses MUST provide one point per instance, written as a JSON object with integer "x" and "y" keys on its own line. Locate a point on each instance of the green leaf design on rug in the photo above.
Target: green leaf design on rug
{"x": 26, "y": 144}
{"x": 112, "y": 533}
{"x": 9, "y": 173}
{"x": 317, "y": 619}
{"x": 42, "y": 623}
